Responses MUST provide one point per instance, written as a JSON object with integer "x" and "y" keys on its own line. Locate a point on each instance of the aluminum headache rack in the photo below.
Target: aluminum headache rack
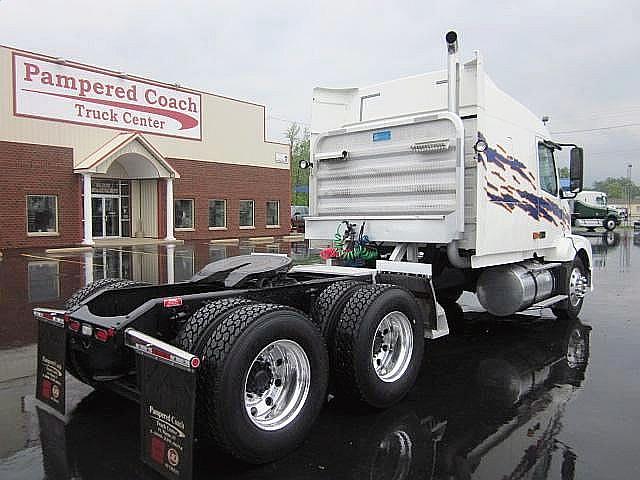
{"x": 404, "y": 177}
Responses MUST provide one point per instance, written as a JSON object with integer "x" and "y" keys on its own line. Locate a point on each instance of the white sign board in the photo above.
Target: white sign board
{"x": 86, "y": 96}
{"x": 282, "y": 158}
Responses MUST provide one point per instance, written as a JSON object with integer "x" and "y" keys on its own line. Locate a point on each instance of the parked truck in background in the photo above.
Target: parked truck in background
{"x": 424, "y": 187}
{"x": 590, "y": 210}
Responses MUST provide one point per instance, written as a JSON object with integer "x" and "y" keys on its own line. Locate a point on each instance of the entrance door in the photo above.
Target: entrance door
{"x": 97, "y": 216}
{"x": 105, "y": 216}
{"x": 111, "y": 216}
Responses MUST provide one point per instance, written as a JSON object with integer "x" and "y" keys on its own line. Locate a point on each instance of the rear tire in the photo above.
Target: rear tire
{"x": 237, "y": 372}
{"x": 378, "y": 346}
{"x": 329, "y": 306}
{"x": 103, "y": 284}
{"x": 205, "y": 318}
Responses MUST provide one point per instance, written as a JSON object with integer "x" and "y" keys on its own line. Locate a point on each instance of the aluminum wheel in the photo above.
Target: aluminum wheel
{"x": 577, "y": 286}
{"x": 392, "y": 347}
{"x": 277, "y": 385}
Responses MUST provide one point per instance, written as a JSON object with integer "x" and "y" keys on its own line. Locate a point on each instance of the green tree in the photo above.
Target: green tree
{"x": 617, "y": 188}
{"x": 563, "y": 172}
{"x": 299, "y": 147}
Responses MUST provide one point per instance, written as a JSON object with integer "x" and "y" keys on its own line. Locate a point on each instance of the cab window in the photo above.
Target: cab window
{"x": 547, "y": 169}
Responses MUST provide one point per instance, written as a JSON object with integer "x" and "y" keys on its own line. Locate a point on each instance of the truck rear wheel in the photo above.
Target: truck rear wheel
{"x": 329, "y": 306}
{"x": 203, "y": 319}
{"x": 574, "y": 288}
{"x": 378, "y": 345}
{"x": 103, "y": 284}
{"x": 265, "y": 375}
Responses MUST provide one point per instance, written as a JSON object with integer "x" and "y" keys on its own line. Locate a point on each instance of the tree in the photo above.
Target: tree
{"x": 617, "y": 188}
{"x": 299, "y": 149}
{"x": 563, "y": 172}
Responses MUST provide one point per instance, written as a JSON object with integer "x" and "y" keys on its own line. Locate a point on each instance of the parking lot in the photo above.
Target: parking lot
{"x": 522, "y": 397}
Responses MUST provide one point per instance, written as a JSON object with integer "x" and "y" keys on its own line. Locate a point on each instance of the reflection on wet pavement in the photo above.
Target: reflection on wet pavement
{"x": 525, "y": 397}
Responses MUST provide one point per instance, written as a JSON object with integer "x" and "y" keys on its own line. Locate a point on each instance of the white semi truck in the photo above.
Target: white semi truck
{"x": 437, "y": 183}
{"x": 447, "y": 172}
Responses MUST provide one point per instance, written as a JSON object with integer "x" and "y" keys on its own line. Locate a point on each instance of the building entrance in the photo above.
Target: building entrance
{"x": 110, "y": 208}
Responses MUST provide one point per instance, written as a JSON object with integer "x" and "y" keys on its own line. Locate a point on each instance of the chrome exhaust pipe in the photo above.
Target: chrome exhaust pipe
{"x": 453, "y": 72}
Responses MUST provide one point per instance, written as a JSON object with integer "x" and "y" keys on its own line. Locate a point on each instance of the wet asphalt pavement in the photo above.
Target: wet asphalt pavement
{"x": 527, "y": 397}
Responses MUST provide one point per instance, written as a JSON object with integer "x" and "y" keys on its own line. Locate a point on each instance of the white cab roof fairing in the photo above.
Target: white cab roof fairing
{"x": 335, "y": 108}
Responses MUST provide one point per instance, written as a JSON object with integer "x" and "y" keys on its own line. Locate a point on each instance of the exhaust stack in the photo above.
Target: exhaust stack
{"x": 453, "y": 72}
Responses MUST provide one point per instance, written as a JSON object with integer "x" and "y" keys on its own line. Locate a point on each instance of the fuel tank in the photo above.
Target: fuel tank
{"x": 507, "y": 289}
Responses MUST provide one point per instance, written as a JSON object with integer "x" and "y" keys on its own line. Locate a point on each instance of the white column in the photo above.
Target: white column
{"x": 170, "y": 210}
{"x": 171, "y": 250}
{"x": 86, "y": 204}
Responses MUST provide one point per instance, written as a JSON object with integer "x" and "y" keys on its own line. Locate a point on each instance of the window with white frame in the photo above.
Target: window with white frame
{"x": 42, "y": 214}
{"x": 217, "y": 214}
{"x": 273, "y": 213}
{"x": 183, "y": 214}
{"x": 246, "y": 213}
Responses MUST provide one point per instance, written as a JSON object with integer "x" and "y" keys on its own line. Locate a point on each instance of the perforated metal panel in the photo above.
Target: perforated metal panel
{"x": 408, "y": 169}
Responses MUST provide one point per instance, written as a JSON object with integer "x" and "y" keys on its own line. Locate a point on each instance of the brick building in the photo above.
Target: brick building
{"x": 88, "y": 153}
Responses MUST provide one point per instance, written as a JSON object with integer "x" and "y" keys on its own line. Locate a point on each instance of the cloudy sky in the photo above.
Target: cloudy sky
{"x": 576, "y": 61}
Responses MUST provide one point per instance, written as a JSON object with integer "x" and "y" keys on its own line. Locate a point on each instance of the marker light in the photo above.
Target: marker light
{"x": 480, "y": 146}
{"x": 74, "y": 325}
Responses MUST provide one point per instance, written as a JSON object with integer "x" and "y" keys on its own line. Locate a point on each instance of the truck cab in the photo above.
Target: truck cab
{"x": 590, "y": 210}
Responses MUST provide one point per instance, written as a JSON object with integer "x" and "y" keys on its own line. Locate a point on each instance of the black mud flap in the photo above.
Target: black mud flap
{"x": 52, "y": 341}
{"x": 167, "y": 384}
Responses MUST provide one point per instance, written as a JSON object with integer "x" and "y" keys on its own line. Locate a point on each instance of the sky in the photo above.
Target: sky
{"x": 576, "y": 61}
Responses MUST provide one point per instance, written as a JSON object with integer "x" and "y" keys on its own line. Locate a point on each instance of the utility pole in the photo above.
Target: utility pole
{"x": 629, "y": 194}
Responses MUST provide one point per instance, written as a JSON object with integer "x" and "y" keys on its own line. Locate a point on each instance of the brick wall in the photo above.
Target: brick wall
{"x": 38, "y": 169}
{"x": 42, "y": 169}
{"x": 202, "y": 181}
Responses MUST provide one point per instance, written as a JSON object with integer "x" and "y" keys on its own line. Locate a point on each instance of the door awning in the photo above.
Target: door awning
{"x": 127, "y": 155}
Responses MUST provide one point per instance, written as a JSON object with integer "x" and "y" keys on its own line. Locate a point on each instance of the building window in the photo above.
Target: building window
{"x": 217, "y": 214}
{"x": 547, "y": 169}
{"x": 183, "y": 214}
{"x": 42, "y": 215}
{"x": 273, "y": 213}
{"x": 246, "y": 213}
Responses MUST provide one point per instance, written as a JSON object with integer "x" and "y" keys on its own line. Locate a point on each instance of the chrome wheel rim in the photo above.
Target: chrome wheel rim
{"x": 392, "y": 347}
{"x": 611, "y": 224}
{"x": 277, "y": 385}
{"x": 577, "y": 286}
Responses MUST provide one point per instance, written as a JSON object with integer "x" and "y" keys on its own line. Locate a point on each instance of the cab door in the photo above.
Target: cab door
{"x": 551, "y": 221}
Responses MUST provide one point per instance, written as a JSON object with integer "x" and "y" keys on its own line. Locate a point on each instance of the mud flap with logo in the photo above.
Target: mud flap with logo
{"x": 52, "y": 341}
{"x": 167, "y": 384}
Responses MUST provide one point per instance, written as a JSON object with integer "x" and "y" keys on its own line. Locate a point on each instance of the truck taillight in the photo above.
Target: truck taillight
{"x": 73, "y": 325}
{"x": 104, "y": 335}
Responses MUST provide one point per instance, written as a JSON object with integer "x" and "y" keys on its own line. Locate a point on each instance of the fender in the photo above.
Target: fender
{"x": 567, "y": 248}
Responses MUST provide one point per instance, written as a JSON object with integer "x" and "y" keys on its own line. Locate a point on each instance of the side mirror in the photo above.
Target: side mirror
{"x": 576, "y": 169}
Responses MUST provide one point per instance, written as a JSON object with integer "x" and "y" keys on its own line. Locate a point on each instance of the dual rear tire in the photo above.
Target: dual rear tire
{"x": 263, "y": 378}
{"x": 374, "y": 335}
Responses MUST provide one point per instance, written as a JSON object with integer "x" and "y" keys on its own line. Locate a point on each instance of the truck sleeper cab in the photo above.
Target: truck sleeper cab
{"x": 460, "y": 175}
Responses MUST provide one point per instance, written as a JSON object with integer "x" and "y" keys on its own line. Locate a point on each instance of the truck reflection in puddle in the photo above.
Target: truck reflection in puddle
{"x": 489, "y": 404}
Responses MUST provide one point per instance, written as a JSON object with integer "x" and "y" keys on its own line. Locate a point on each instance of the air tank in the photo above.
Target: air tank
{"x": 507, "y": 289}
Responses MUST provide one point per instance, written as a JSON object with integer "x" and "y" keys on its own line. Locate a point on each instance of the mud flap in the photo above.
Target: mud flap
{"x": 52, "y": 341}
{"x": 167, "y": 384}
